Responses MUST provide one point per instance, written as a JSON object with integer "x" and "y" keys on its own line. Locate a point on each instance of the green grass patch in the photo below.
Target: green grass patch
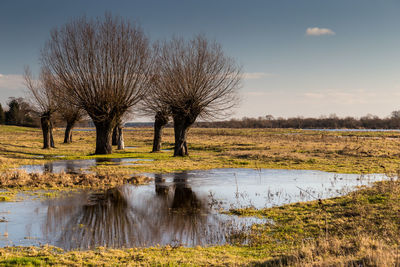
{"x": 22, "y": 261}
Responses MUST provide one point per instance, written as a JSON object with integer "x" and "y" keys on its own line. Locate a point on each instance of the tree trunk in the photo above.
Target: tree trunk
{"x": 160, "y": 121}
{"x": 184, "y": 197}
{"x": 161, "y": 189}
{"x": 46, "y": 126}
{"x": 115, "y": 136}
{"x": 68, "y": 133}
{"x": 103, "y": 137}
{"x": 51, "y": 135}
{"x": 181, "y": 128}
{"x": 120, "y": 138}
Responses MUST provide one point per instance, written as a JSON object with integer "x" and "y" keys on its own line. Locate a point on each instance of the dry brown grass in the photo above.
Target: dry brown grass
{"x": 346, "y": 152}
{"x": 23, "y": 180}
{"x": 355, "y": 251}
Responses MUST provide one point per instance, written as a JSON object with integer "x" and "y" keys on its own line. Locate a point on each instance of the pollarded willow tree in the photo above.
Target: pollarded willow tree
{"x": 70, "y": 114}
{"x": 118, "y": 133}
{"x": 152, "y": 106}
{"x": 41, "y": 93}
{"x": 195, "y": 79}
{"x": 104, "y": 66}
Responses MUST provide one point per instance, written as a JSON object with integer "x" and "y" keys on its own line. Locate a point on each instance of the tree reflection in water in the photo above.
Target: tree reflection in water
{"x": 129, "y": 217}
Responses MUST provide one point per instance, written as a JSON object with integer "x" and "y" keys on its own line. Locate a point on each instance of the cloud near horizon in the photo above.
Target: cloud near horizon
{"x": 341, "y": 97}
{"x": 316, "y": 31}
{"x": 11, "y": 81}
{"x": 255, "y": 75}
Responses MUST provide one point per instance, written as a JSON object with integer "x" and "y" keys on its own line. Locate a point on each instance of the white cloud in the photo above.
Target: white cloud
{"x": 257, "y": 93}
{"x": 255, "y": 75}
{"x": 348, "y": 97}
{"x": 314, "y": 95}
{"x": 319, "y": 31}
{"x": 11, "y": 81}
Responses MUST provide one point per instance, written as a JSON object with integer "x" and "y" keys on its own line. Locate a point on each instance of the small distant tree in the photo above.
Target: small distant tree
{"x": 269, "y": 117}
{"x": 395, "y": 114}
{"x": 103, "y": 65}
{"x": 19, "y": 112}
{"x": 13, "y": 115}
{"x": 195, "y": 79}
{"x": 2, "y": 115}
{"x": 42, "y": 96}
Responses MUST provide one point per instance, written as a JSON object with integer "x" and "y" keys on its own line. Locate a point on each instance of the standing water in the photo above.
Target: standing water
{"x": 176, "y": 209}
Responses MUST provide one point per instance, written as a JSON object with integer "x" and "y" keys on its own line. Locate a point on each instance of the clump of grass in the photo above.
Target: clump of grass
{"x": 22, "y": 261}
{"x": 22, "y": 180}
{"x": 6, "y": 196}
{"x": 351, "y": 251}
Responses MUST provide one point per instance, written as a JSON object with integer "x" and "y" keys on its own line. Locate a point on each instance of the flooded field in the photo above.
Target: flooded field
{"x": 176, "y": 209}
{"x": 79, "y": 166}
{"x": 353, "y": 130}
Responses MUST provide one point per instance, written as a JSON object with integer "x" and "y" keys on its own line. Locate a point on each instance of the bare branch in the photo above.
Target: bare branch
{"x": 102, "y": 65}
{"x": 193, "y": 79}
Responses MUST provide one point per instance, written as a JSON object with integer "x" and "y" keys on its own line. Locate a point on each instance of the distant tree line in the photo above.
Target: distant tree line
{"x": 331, "y": 122}
{"x": 18, "y": 112}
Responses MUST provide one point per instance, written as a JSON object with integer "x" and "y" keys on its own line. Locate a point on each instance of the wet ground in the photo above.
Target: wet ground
{"x": 176, "y": 209}
{"x": 354, "y": 130}
{"x": 79, "y": 166}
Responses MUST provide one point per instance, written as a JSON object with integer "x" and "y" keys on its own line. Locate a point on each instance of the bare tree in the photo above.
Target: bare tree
{"x": 118, "y": 133}
{"x": 153, "y": 107}
{"x": 118, "y": 136}
{"x": 161, "y": 119}
{"x": 70, "y": 114}
{"x": 195, "y": 79}
{"x": 104, "y": 66}
{"x": 41, "y": 92}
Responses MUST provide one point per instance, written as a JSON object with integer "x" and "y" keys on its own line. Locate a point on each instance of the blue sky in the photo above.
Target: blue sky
{"x": 348, "y": 63}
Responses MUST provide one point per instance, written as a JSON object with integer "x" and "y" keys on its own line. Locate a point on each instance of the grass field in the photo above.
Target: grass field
{"x": 345, "y": 152}
{"x": 359, "y": 229}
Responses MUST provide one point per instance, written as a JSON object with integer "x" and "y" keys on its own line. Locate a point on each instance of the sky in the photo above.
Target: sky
{"x": 299, "y": 58}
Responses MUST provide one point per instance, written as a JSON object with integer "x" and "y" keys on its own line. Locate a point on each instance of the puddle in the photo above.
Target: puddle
{"x": 175, "y": 209}
{"x": 238, "y": 188}
{"x": 353, "y": 130}
{"x": 94, "y": 129}
{"x": 48, "y": 156}
{"x": 79, "y": 166}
